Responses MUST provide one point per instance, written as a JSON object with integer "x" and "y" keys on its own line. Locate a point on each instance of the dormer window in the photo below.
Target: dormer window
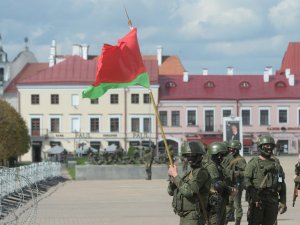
{"x": 171, "y": 84}
{"x": 209, "y": 84}
{"x": 244, "y": 84}
{"x": 280, "y": 84}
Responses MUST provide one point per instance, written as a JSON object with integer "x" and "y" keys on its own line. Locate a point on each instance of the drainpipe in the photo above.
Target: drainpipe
{"x": 125, "y": 119}
{"x": 237, "y": 108}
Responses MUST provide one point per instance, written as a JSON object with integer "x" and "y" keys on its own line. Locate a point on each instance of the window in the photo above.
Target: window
{"x": 209, "y": 120}
{"x": 54, "y": 99}
{"x": 135, "y": 124}
{"x": 35, "y": 99}
{"x": 147, "y": 125}
{"x": 226, "y": 112}
{"x": 135, "y": 98}
{"x": 114, "y": 124}
{"x": 282, "y": 115}
{"x": 54, "y": 125}
{"x": 75, "y": 123}
{"x": 191, "y": 117}
{"x": 114, "y": 99}
{"x": 163, "y": 118}
{"x": 94, "y": 125}
{"x": 175, "y": 118}
{"x": 147, "y": 99}
{"x": 244, "y": 84}
{"x": 246, "y": 116}
{"x": 209, "y": 84}
{"x": 264, "y": 117}
{"x": 75, "y": 100}
{"x": 1, "y": 74}
{"x": 95, "y": 101}
{"x": 35, "y": 127}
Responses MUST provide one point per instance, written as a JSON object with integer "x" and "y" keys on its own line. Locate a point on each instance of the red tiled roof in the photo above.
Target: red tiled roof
{"x": 27, "y": 71}
{"x": 73, "y": 70}
{"x": 291, "y": 59}
{"x": 226, "y": 87}
{"x": 171, "y": 65}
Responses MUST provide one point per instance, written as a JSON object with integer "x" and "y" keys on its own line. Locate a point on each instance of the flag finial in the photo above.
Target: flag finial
{"x": 129, "y": 20}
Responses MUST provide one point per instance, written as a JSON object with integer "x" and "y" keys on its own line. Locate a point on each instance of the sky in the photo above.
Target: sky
{"x": 214, "y": 34}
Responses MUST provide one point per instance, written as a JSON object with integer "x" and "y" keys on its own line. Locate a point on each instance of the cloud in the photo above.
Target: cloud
{"x": 285, "y": 16}
{"x": 216, "y": 20}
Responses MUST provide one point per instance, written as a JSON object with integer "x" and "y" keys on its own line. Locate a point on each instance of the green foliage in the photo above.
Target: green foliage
{"x": 14, "y": 138}
{"x": 81, "y": 160}
{"x": 131, "y": 151}
{"x": 71, "y": 172}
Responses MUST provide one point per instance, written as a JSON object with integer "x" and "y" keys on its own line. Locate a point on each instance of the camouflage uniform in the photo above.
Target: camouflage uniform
{"x": 235, "y": 168}
{"x": 148, "y": 159}
{"x": 219, "y": 191}
{"x": 190, "y": 192}
{"x": 265, "y": 185}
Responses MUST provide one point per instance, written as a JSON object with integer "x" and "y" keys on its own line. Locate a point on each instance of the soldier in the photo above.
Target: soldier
{"x": 297, "y": 172}
{"x": 190, "y": 192}
{"x": 265, "y": 185}
{"x": 219, "y": 191}
{"x": 296, "y": 180}
{"x": 148, "y": 160}
{"x": 235, "y": 170}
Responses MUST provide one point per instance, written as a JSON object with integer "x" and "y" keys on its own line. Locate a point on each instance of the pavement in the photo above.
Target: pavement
{"x": 130, "y": 202}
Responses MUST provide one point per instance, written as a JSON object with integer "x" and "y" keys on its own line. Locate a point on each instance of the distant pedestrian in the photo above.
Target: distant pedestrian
{"x": 148, "y": 160}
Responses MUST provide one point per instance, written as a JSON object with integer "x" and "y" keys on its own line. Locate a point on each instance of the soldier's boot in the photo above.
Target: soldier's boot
{"x": 238, "y": 221}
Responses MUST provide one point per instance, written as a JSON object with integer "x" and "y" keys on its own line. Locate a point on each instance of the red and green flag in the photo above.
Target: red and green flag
{"x": 119, "y": 66}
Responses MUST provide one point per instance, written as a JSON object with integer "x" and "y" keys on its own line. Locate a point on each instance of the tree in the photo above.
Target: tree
{"x": 14, "y": 138}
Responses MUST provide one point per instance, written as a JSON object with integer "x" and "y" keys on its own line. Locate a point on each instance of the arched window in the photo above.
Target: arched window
{"x": 171, "y": 84}
{"x": 209, "y": 84}
{"x": 244, "y": 84}
{"x": 280, "y": 84}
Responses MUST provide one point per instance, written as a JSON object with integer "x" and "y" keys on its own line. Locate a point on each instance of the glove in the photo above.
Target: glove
{"x": 282, "y": 208}
{"x": 218, "y": 186}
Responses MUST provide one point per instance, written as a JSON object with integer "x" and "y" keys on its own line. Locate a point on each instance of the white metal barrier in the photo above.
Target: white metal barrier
{"x": 22, "y": 182}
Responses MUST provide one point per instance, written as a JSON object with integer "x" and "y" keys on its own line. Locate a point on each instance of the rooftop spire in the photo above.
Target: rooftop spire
{"x": 26, "y": 43}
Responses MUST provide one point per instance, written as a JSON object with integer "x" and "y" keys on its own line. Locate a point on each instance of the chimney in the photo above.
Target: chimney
{"x": 266, "y": 76}
{"x": 292, "y": 80}
{"x": 159, "y": 54}
{"x": 52, "y": 54}
{"x": 76, "y": 50}
{"x": 85, "y": 51}
{"x": 269, "y": 69}
{"x": 185, "y": 76}
{"x": 204, "y": 71}
{"x": 287, "y": 72}
{"x": 230, "y": 70}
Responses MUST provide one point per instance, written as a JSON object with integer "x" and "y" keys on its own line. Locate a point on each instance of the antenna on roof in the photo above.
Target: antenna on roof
{"x": 26, "y": 43}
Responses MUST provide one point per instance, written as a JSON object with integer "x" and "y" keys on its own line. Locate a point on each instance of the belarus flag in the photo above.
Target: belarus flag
{"x": 119, "y": 66}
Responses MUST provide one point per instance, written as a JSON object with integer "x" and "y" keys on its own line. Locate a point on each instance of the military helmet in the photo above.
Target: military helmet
{"x": 235, "y": 144}
{"x": 217, "y": 147}
{"x": 266, "y": 139}
{"x": 191, "y": 148}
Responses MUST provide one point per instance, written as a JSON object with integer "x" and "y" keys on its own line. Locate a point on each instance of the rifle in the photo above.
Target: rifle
{"x": 295, "y": 195}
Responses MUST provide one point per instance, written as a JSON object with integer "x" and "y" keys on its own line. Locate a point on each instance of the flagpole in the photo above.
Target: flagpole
{"x": 161, "y": 129}
{"x": 155, "y": 107}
